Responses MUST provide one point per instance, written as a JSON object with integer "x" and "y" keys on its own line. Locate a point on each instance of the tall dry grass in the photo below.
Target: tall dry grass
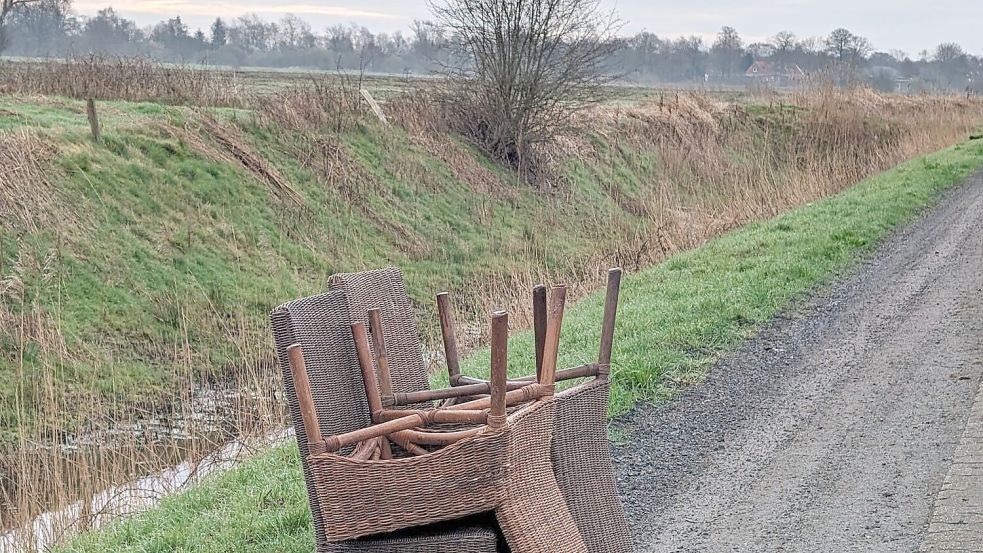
{"x": 27, "y": 196}
{"x": 124, "y": 78}
{"x": 79, "y": 459}
{"x": 702, "y": 166}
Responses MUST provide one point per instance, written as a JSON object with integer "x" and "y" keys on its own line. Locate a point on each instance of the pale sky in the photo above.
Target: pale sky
{"x": 907, "y": 25}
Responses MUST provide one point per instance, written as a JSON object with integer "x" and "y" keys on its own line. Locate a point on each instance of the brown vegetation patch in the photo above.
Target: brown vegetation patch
{"x": 420, "y": 114}
{"x": 233, "y": 148}
{"x": 28, "y": 200}
{"x": 123, "y": 78}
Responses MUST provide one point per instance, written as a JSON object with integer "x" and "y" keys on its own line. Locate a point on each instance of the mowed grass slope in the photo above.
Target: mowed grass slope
{"x": 675, "y": 320}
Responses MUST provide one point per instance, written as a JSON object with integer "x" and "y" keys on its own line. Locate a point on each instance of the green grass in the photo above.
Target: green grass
{"x": 675, "y": 320}
{"x": 176, "y": 258}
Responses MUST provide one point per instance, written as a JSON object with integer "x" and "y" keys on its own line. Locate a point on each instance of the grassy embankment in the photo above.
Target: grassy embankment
{"x": 682, "y": 314}
{"x": 135, "y": 266}
{"x": 136, "y": 271}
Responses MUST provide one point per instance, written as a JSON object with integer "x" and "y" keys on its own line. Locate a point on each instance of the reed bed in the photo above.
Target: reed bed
{"x": 134, "y": 79}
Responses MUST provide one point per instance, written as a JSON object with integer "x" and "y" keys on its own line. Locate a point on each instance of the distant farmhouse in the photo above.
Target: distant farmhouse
{"x": 774, "y": 74}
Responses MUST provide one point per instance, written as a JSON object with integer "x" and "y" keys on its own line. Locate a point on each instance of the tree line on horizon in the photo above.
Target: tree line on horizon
{"x": 49, "y": 28}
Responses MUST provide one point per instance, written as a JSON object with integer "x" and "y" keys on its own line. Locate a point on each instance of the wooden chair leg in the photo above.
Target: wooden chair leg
{"x": 551, "y": 347}
{"x": 539, "y": 325}
{"x": 381, "y": 355}
{"x": 449, "y": 337}
{"x": 302, "y": 385}
{"x": 607, "y": 324}
{"x": 499, "y": 367}
{"x": 369, "y": 380}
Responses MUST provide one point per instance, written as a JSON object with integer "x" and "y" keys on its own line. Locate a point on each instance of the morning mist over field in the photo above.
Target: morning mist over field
{"x": 910, "y": 26}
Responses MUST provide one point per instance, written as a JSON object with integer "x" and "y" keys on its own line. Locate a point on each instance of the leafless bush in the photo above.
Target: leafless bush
{"x": 324, "y": 104}
{"x": 523, "y": 69}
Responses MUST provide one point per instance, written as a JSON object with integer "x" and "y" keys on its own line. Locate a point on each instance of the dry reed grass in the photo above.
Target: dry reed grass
{"x": 425, "y": 122}
{"x": 56, "y": 482}
{"x": 123, "y": 78}
{"x": 27, "y": 197}
{"x": 710, "y": 166}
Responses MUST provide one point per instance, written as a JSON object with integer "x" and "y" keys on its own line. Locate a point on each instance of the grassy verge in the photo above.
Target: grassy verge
{"x": 675, "y": 320}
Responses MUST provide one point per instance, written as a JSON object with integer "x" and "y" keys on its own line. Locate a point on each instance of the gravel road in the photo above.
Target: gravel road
{"x": 835, "y": 427}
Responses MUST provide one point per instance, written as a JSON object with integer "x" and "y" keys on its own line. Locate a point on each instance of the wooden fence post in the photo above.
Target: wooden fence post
{"x": 90, "y": 109}
{"x": 376, "y": 108}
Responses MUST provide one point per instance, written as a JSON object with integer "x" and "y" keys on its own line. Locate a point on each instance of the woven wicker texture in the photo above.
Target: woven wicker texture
{"x": 583, "y": 468}
{"x": 533, "y": 515}
{"x": 383, "y": 289}
{"x": 321, "y": 325}
{"x": 360, "y": 498}
{"x": 535, "y": 512}
{"x": 318, "y": 323}
{"x": 473, "y": 535}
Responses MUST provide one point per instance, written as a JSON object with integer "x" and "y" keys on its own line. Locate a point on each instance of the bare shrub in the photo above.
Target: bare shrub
{"x": 523, "y": 70}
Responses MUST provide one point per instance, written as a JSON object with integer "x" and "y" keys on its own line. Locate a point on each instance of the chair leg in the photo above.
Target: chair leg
{"x": 607, "y": 323}
{"x": 539, "y": 325}
{"x": 448, "y": 337}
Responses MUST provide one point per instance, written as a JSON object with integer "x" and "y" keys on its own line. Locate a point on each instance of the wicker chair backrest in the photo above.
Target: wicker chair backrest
{"x": 385, "y": 290}
{"x": 322, "y": 325}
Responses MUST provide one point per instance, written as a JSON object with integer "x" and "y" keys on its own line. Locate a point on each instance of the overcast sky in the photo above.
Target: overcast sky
{"x": 908, "y": 25}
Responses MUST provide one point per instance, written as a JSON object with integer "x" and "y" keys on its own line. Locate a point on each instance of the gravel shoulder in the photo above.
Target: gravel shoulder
{"x": 835, "y": 427}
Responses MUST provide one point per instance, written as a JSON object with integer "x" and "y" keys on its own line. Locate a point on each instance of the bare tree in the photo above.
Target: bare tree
{"x": 6, "y": 8}
{"x": 846, "y": 47}
{"x": 953, "y": 65}
{"x": 523, "y": 68}
{"x": 784, "y": 43}
{"x": 727, "y": 51}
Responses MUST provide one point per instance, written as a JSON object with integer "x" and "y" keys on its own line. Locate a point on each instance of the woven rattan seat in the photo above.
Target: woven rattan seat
{"x": 321, "y": 324}
{"x": 533, "y": 514}
{"x": 580, "y": 455}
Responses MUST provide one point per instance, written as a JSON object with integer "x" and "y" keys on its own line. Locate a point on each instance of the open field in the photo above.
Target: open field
{"x": 682, "y": 313}
{"x": 21, "y": 75}
{"x": 136, "y": 272}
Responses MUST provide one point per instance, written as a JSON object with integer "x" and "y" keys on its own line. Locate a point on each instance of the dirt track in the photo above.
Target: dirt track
{"x": 834, "y": 428}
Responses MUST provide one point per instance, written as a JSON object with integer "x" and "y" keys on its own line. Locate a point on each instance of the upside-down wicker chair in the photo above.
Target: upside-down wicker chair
{"x": 321, "y": 324}
{"x": 505, "y": 468}
{"x": 580, "y": 453}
